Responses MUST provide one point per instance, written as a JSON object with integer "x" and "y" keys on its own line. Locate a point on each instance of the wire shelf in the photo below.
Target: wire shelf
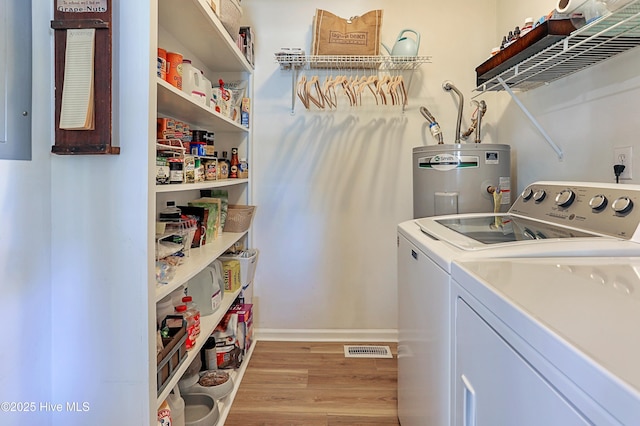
{"x": 612, "y": 34}
{"x": 296, "y": 61}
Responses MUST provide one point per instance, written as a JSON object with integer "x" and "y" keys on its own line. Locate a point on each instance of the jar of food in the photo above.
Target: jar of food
{"x": 243, "y": 169}
{"x": 191, "y": 307}
{"x": 210, "y": 170}
{"x": 224, "y": 165}
{"x": 188, "y": 316}
{"x": 176, "y": 170}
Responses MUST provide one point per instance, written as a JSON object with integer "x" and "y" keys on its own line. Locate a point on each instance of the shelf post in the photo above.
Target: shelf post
{"x": 533, "y": 120}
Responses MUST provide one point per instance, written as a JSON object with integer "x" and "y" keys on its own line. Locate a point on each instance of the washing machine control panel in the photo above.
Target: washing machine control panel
{"x": 608, "y": 209}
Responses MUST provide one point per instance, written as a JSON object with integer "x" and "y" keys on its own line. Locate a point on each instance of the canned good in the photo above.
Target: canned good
{"x": 197, "y": 148}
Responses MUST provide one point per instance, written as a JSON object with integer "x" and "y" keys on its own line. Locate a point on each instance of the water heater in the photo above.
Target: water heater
{"x": 461, "y": 178}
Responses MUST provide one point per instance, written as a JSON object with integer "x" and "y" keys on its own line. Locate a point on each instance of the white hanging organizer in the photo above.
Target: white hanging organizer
{"x": 613, "y": 33}
{"x": 383, "y": 76}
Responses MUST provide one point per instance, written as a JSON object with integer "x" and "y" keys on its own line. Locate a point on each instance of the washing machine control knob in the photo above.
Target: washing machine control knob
{"x": 598, "y": 202}
{"x": 527, "y": 194}
{"x": 622, "y": 205}
{"x": 565, "y": 198}
{"x": 539, "y": 195}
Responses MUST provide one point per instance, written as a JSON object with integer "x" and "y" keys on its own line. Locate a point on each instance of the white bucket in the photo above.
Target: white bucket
{"x": 193, "y": 82}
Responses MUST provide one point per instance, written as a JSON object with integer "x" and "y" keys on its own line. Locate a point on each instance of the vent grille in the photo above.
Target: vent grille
{"x": 353, "y": 351}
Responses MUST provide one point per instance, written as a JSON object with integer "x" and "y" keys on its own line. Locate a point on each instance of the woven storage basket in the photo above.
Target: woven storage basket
{"x": 230, "y": 14}
{"x": 239, "y": 218}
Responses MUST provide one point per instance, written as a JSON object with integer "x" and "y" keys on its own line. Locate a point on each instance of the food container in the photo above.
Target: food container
{"x": 200, "y": 409}
{"x": 174, "y": 67}
{"x": 173, "y": 354}
{"x": 197, "y": 148}
{"x": 248, "y": 261}
{"x": 215, "y": 383}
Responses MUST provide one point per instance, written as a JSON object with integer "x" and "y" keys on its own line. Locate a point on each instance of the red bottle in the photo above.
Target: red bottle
{"x": 233, "y": 170}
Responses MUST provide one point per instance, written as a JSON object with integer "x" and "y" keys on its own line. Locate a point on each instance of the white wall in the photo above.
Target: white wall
{"x": 332, "y": 186}
{"x": 25, "y": 251}
{"x": 586, "y": 114}
{"x": 102, "y": 353}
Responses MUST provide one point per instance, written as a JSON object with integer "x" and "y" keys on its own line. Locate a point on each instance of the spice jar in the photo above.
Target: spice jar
{"x": 176, "y": 170}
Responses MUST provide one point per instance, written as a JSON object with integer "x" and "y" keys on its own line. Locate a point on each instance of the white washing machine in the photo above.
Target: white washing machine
{"x": 558, "y": 219}
{"x": 547, "y": 341}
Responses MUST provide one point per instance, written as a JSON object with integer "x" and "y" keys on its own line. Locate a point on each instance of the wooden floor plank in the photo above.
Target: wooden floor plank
{"x": 277, "y": 377}
{"x": 277, "y": 419}
{"x": 362, "y": 421}
{"x": 354, "y": 379}
{"x": 313, "y": 384}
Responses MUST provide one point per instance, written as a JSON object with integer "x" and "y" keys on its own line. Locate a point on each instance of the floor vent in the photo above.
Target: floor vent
{"x": 351, "y": 351}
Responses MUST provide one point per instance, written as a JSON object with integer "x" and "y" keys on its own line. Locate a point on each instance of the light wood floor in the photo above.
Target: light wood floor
{"x": 313, "y": 384}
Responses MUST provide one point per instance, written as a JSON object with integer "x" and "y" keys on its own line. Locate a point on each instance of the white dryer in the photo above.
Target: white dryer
{"x": 558, "y": 219}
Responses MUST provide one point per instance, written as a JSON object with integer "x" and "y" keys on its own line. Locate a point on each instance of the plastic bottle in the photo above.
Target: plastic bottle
{"x": 528, "y": 26}
{"x": 176, "y": 404}
{"x": 163, "y": 308}
{"x": 191, "y": 325}
{"x": 233, "y": 169}
{"x": 188, "y": 300}
{"x": 224, "y": 165}
{"x": 192, "y": 82}
{"x": 209, "y": 354}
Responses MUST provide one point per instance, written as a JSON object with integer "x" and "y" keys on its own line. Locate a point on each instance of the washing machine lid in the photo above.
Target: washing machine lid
{"x": 483, "y": 231}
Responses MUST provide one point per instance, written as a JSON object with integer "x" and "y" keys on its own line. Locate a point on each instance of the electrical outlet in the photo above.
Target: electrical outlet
{"x": 624, "y": 155}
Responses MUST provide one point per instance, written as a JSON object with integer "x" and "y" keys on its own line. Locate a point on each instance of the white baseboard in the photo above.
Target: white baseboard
{"x": 325, "y": 335}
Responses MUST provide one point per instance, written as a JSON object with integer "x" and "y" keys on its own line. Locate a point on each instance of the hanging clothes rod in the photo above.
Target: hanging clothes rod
{"x": 299, "y": 62}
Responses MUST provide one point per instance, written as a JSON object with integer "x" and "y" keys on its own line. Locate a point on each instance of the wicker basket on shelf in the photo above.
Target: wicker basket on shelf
{"x": 239, "y": 218}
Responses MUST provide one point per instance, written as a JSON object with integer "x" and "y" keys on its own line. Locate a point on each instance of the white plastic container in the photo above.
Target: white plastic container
{"x": 208, "y": 90}
{"x": 205, "y": 290}
{"x": 248, "y": 261}
{"x": 176, "y": 403}
{"x": 163, "y": 308}
{"x": 193, "y": 82}
{"x": 177, "y": 295}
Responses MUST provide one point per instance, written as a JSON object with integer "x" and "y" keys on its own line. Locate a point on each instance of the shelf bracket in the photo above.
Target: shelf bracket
{"x": 531, "y": 118}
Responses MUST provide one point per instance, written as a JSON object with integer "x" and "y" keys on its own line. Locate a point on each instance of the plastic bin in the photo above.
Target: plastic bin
{"x": 248, "y": 261}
